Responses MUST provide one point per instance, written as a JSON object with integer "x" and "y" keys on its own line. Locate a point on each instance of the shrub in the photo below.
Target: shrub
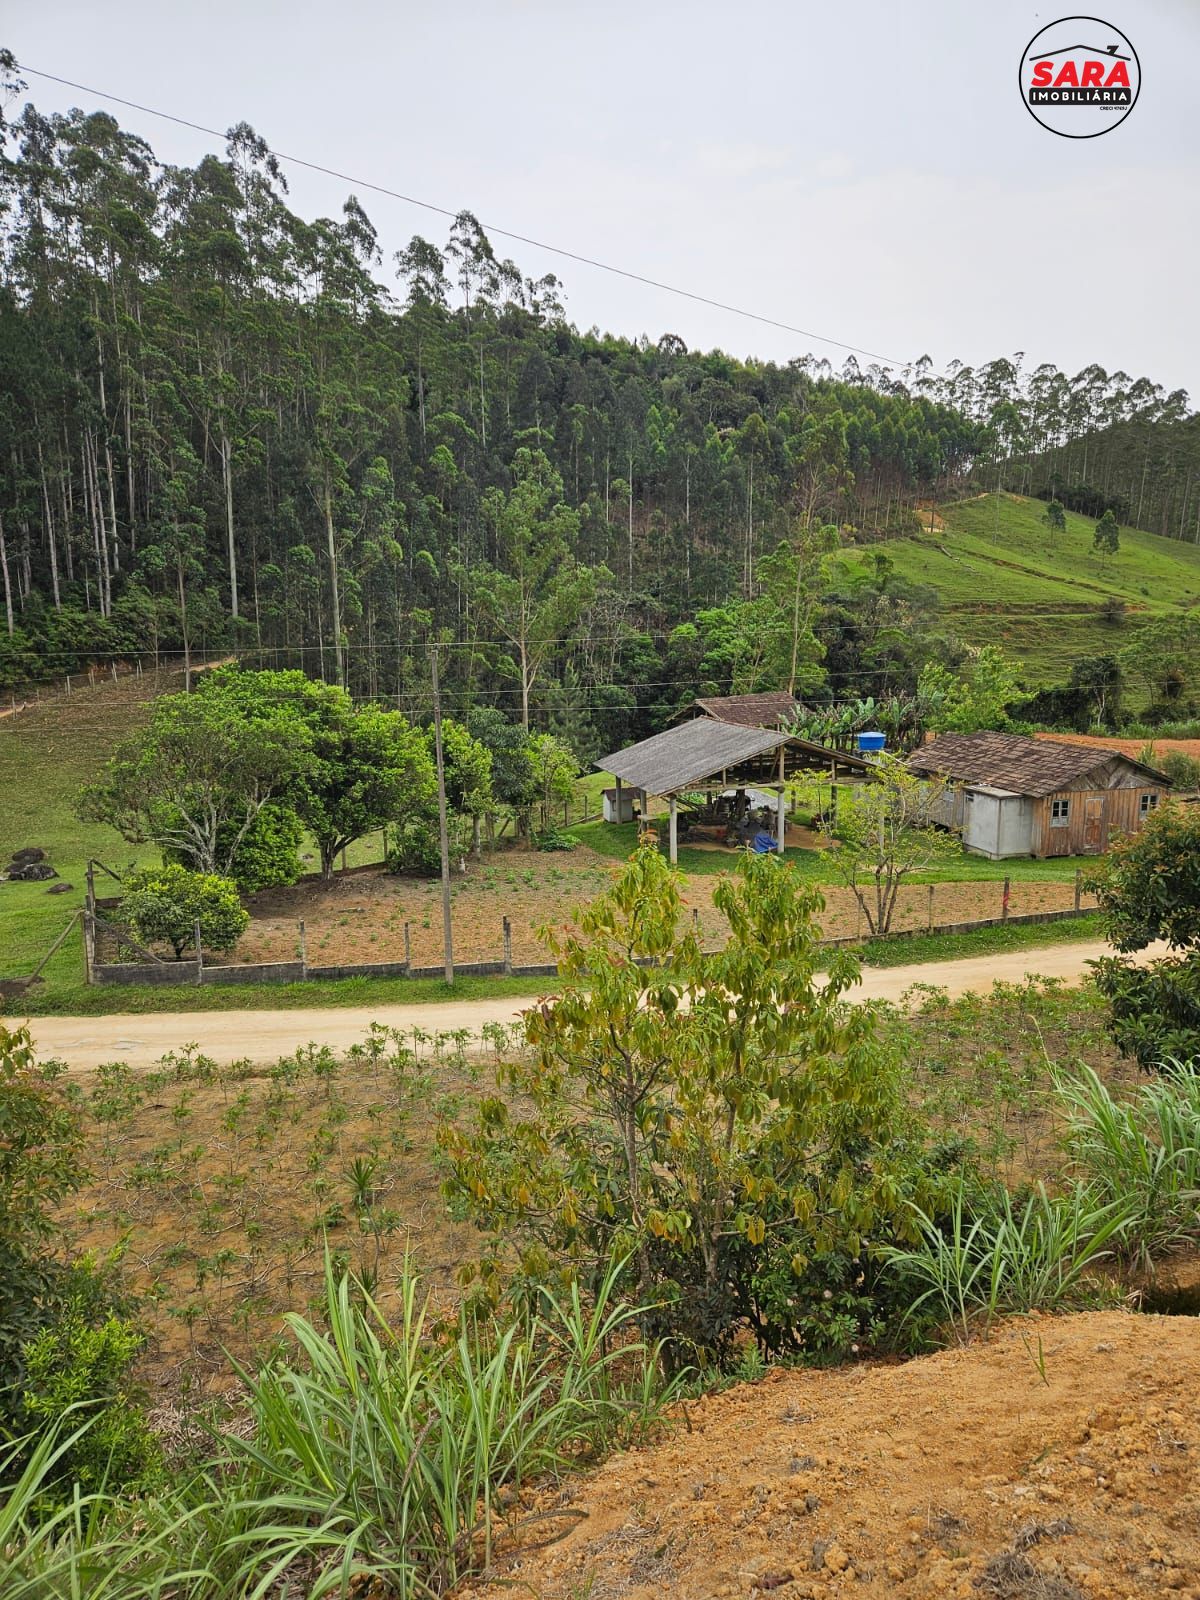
{"x": 267, "y": 855}
{"x": 165, "y": 903}
{"x": 722, "y": 1119}
{"x": 41, "y": 1162}
{"x": 71, "y": 1367}
{"x": 412, "y": 846}
{"x": 555, "y": 839}
{"x": 1182, "y": 769}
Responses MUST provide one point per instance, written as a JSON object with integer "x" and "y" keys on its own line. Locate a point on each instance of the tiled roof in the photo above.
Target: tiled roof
{"x": 1012, "y": 761}
{"x": 752, "y": 710}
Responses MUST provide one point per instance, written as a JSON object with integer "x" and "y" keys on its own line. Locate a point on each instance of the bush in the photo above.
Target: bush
{"x": 723, "y": 1119}
{"x": 555, "y": 839}
{"x": 165, "y": 903}
{"x": 75, "y": 1368}
{"x": 412, "y": 846}
{"x": 1182, "y": 769}
{"x": 267, "y": 855}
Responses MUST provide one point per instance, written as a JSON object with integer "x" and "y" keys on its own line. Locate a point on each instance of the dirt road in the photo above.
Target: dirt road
{"x": 140, "y": 1040}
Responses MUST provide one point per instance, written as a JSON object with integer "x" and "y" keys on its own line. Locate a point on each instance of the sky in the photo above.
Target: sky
{"x": 866, "y": 171}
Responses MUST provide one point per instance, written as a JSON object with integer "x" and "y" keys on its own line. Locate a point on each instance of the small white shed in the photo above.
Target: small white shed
{"x": 618, "y": 803}
{"x": 996, "y": 822}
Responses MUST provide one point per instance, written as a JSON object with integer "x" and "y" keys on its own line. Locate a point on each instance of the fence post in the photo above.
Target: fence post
{"x": 1078, "y": 886}
{"x": 696, "y": 919}
{"x": 199, "y": 953}
{"x": 1004, "y": 901}
{"x": 303, "y": 952}
{"x": 68, "y": 683}
{"x": 89, "y": 947}
{"x": 930, "y": 924}
{"x": 507, "y": 948}
{"x": 408, "y": 945}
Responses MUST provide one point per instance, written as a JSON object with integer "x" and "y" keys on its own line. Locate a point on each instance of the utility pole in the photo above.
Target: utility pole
{"x": 443, "y": 833}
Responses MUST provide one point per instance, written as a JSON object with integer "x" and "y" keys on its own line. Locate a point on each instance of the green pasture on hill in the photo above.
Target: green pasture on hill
{"x": 1005, "y": 578}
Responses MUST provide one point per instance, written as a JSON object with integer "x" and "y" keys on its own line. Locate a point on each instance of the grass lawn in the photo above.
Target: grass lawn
{"x": 619, "y": 840}
{"x": 923, "y": 947}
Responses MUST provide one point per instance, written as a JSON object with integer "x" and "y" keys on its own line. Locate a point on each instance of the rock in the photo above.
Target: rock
{"x": 31, "y": 872}
{"x": 62, "y": 887}
{"x": 29, "y": 853}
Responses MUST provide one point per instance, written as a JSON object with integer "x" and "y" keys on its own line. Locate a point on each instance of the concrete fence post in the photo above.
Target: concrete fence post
{"x": 303, "y": 952}
{"x": 1004, "y": 900}
{"x": 1078, "y": 887}
{"x": 930, "y": 922}
{"x": 696, "y": 919}
{"x": 199, "y": 952}
{"x": 507, "y": 948}
{"x": 408, "y": 944}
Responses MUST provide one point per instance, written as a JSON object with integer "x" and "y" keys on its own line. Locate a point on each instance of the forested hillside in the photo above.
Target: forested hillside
{"x": 225, "y": 427}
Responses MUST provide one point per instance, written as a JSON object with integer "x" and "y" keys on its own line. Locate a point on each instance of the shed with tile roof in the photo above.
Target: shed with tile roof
{"x": 1016, "y": 796}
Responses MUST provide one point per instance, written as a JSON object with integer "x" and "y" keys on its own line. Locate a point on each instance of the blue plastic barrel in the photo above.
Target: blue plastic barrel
{"x": 868, "y": 742}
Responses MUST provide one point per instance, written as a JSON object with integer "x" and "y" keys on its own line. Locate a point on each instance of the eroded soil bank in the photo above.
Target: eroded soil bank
{"x": 1059, "y": 1461}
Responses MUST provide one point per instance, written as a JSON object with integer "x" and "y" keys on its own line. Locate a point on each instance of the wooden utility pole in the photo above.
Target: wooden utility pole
{"x": 443, "y": 832}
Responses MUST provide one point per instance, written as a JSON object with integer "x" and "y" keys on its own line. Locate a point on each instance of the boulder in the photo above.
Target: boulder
{"x": 29, "y": 853}
{"x": 60, "y": 888}
{"x": 31, "y": 872}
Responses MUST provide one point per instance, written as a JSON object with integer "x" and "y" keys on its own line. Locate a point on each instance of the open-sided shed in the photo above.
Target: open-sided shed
{"x": 707, "y": 756}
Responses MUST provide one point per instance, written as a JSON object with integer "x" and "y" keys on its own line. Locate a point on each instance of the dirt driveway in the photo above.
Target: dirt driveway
{"x": 140, "y": 1040}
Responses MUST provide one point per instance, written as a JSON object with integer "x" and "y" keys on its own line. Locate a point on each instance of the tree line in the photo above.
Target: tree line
{"x": 225, "y": 427}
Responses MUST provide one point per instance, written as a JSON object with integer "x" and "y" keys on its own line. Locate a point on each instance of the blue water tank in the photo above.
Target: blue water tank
{"x": 870, "y": 742}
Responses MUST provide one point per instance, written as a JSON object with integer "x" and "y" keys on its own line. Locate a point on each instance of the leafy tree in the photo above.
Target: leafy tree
{"x": 1055, "y": 516}
{"x": 979, "y": 694}
{"x": 196, "y": 778}
{"x": 555, "y": 770}
{"x": 515, "y": 777}
{"x": 724, "y": 1120}
{"x": 368, "y": 768}
{"x": 163, "y": 904}
{"x": 1107, "y": 538}
{"x": 1164, "y": 656}
{"x": 537, "y": 591}
{"x": 887, "y": 832}
{"x": 1148, "y": 887}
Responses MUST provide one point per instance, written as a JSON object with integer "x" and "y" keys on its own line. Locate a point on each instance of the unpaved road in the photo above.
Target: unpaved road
{"x": 140, "y": 1040}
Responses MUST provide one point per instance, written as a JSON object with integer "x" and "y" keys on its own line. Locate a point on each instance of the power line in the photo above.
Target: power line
{"x": 488, "y": 227}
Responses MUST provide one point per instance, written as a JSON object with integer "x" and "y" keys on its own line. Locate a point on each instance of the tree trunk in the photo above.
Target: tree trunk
{"x": 227, "y": 472}
{"x": 8, "y": 604}
{"x": 335, "y": 597}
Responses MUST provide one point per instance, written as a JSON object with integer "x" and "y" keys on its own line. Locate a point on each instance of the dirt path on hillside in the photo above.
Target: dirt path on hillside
{"x": 141, "y": 1040}
{"x": 1057, "y": 1462}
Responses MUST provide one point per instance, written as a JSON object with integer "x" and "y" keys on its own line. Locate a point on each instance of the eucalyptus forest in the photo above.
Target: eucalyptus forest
{"x": 225, "y": 428}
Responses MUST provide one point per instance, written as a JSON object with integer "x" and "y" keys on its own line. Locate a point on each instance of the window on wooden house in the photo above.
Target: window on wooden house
{"x": 1060, "y": 813}
{"x": 1147, "y": 804}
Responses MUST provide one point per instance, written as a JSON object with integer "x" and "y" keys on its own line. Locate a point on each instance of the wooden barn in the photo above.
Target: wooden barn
{"x": 1015, "y": 796}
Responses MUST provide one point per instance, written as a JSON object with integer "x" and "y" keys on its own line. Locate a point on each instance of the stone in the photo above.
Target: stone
{"x": 29, "y": 853}
{"x": 31, "y": 872}
{"x": 62, "y": 887}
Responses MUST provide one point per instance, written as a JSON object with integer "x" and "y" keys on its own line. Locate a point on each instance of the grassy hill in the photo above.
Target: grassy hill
{"x": 1005, "y": 578}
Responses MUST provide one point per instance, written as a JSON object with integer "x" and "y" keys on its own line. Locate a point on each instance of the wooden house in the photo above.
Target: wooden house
{"x": 1016, "y": 796}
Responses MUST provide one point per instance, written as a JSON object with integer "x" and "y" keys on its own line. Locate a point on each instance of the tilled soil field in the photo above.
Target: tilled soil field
{"x": 361, "y": 915}
{"x": 1057, "y": 1462}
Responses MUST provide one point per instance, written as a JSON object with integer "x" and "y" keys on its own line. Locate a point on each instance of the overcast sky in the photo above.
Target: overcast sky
{"x": 866, "y": 170}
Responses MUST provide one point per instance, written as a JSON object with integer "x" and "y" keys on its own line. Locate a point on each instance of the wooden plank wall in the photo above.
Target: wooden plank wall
{"x": 1120, "y": 812}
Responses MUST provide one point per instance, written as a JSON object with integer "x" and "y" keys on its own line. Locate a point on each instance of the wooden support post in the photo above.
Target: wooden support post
{"x": 89, "y": 946}
{"x": 617, "y": 816}
{"x": 199, "y": 952}
{"x": 781, "y": 820}
{"x": 930, "y": 923}
{"x": 408, "y": 944}
{"x": 696, "y": 920}
{"x": 68, "y": 683}
{"x": 507, "y": 948}
{"x": 303, "y": 952}
{"x": 1004, "y": 901}
{"x": 674, "y": 830}
{"x": 1078, "y": 887}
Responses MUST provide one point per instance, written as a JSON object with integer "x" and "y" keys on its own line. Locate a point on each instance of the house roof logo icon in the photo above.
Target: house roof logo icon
{"x": 1079, "y": 77}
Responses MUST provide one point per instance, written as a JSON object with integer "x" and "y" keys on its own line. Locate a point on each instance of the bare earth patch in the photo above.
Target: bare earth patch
{"x": 963, "y": 1474}
{"x": 360, "y": 916}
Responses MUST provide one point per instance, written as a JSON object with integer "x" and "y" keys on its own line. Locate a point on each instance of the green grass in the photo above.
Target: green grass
{"x": 921, "y": 947}
{"x": 1005, "y": 579}
{"x": 618, "y": 841}
{"x": 77, "y": 999}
